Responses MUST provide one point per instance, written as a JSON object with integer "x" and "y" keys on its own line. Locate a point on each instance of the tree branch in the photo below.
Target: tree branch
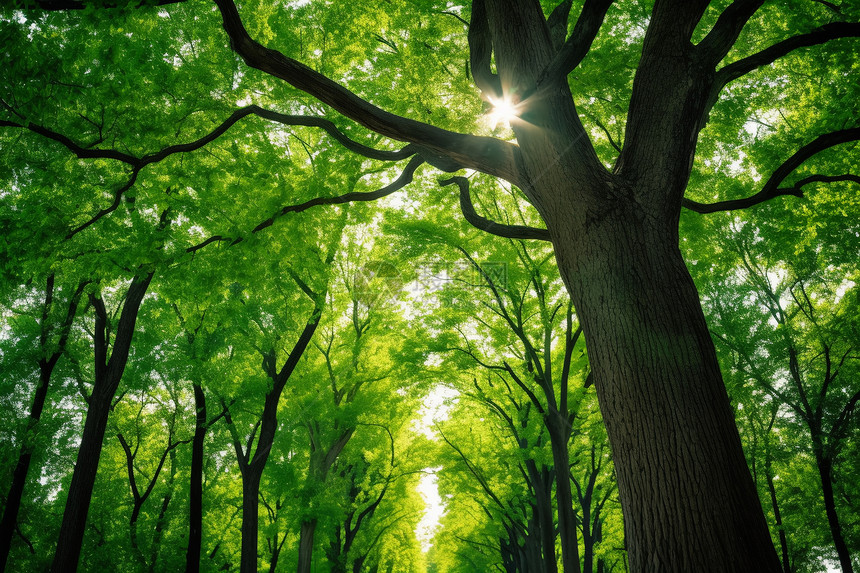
{"x": 725, "y": 32}
{"x": 767, "y": 56}
{"x": 579, "y": 43}
{"x": 485, "y": 154}
{"x": 480, "y": 53}
{"x": 59, "y": 5}
{"x": 404, "y": 179}
{"x": 772, "y": 189}
{"x": 138, "y": 163}
{"x": 557, "y": 23}
{"x": 498, "y": 229}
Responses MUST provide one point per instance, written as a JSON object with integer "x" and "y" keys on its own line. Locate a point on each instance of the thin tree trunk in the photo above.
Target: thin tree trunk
{"x": 9, "y": 521}
{"x": 22, "y": 468}
{"x": 108, "y": 372}
{"x": 558, "y": 435}
{"x": 542, "y": 484}
{"x": 162, "y": 514}
{"x": 195, "y": 509}
{"x": 783, "y": 541}
{"x": 825, "y": 469}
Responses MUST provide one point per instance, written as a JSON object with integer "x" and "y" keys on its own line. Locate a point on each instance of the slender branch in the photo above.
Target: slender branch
{"x": 117, "y": 199}
{"x": 484, "y": 224}
{"x": 485, "y": 154}
{"x": 771, "y": 188}
{"x": 404, "y": 179}
{"x": 767, "y": 56}
{"x": 138, "y": 163}
{"x": 579, "y": 43}
{"x": 326, "y": 125}
{"x": 58, "y": 5}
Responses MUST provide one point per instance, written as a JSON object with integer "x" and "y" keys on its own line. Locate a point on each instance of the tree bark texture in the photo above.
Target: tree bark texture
{"x": 685, "y": 489}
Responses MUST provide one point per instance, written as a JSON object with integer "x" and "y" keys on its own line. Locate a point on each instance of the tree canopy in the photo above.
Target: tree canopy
{"x": 246, "y": 246}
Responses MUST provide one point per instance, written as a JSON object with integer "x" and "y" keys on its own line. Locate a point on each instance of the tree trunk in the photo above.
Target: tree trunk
{"x": 306, "y": 545}
{"x": 688, "y": 499}
{"x": 541, "y": 482}
{"x": 162, "y": 515}
{"x": 81, "y": 488}
{"x": 195, "y": 506}
{"x": 22, "y": 468}
{"x": 250, "y": 525}
{"x": 108, "y": 372}
{"x": 825, "y": 470}
{"x": 46, "y": 368}
{"x": 558, "y": 435}
{"x": 783, "y": 541}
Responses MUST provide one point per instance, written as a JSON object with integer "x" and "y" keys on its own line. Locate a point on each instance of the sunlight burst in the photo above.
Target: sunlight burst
{"x": 503, "y": 111}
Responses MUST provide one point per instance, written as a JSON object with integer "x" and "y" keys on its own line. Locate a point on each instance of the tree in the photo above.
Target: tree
{"x": 688, "y": 499}
{"x": 47, "y": 362}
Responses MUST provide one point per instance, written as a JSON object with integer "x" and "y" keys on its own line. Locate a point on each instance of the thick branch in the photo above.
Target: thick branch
{"x": 138, "y": 163}
{"x": 767, "y": 56}
{"x": 772, "y": 189}
{"x": 725, "y": 32}
{"x": 507, "y": 231}
{"x": 485, "y": 154}
{"x": 241, "y": 113}
{"x": 480, "y": 53}
{"x": 557, "y": 23}
{"x": 579, "y": 43}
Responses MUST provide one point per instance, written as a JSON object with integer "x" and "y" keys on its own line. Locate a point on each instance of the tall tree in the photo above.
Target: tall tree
{"x": 52, "y": 351}
{"x": 110, "y": 358}
{"x": 253, "y": 455}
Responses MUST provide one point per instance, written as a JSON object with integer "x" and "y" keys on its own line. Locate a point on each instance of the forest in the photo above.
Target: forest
{"x": 430, "y": 286}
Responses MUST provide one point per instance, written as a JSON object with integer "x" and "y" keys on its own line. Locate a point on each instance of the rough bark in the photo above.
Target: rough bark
{"x": 685, "y": 489}
{"x": 108, "y": 372}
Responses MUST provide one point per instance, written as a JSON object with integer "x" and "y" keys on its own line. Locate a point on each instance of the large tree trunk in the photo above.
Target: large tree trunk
{"x": 195, "y": 509}
{"x": 81, "y": 488}
{"x": 825, "y": 470}
{"x": 688, "y": 499}
{"x": 108, "y": 372}
{"x": 306, "y": 545}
